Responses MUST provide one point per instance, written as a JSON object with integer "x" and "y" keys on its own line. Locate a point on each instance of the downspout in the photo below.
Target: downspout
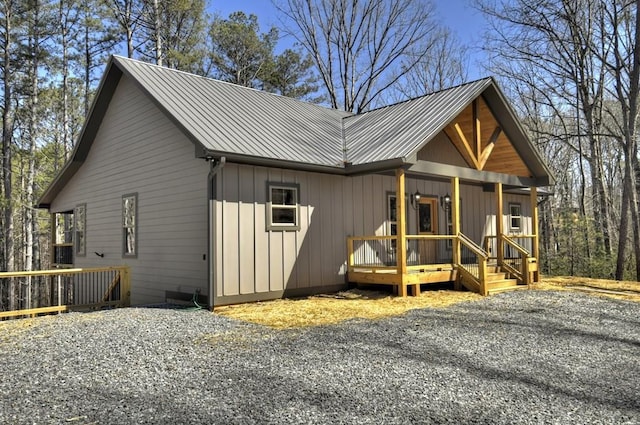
{"x": 215, "y": 165}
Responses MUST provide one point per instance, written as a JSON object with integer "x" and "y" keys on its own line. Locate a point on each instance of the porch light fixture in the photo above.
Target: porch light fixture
{"x": 445, "y": 201}
{"x": 415, "y": 200}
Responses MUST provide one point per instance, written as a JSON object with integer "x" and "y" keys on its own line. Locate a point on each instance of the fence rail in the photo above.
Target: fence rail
{"x": 54, "y": 291}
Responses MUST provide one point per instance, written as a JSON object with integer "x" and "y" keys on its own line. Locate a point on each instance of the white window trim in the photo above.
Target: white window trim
{"x": 512, "y": 216}
{"x": 270, "y": 206}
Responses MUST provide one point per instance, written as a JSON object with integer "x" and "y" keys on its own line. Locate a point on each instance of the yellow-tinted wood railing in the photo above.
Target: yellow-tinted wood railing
{"x": 62, "y": 290}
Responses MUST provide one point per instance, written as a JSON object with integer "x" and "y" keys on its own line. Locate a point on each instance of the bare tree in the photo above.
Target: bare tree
{"x": 444, "y": 65}
{"x": 623, "y": 24}
{"x": 357, "y": 44}
{"x": 551, "y": 49}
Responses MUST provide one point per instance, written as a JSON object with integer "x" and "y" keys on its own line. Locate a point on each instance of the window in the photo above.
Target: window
{"x": 448, "y": 220}
{"x": 130, "y": 225}
{"x": 283, "y": 208}
{"x": 391, "y": 214}
{"x": 515, "y": 218}
{"x": 80, "y": 222}
{"x": 392, "y": 217}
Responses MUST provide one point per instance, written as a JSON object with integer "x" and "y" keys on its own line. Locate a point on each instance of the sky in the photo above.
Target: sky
{"x": 464, "y": 21}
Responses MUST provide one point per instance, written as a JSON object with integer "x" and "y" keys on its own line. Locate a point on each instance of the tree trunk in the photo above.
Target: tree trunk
{"x": 7, "y": 140}
{"x": 624, "y": 228}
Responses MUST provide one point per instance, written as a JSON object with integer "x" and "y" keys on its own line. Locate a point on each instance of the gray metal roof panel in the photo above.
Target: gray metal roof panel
{"x": 228, "y": 118}
{"x": 400, "y": 130}
{"x": 264, "y": 128}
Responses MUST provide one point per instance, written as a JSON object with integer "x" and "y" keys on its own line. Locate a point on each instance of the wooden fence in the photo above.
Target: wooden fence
{"x": 61, "y": 290}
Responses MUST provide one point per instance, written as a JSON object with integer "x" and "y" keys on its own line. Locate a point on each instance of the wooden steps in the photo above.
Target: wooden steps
{"x": 499, "y": 281}
{"x": 496, "y": 282}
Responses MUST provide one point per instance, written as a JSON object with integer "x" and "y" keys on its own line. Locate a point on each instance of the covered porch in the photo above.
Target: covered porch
{"x": 500, "y": 262}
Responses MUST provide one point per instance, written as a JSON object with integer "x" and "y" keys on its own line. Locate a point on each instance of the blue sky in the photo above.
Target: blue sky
{"x": 458, "y": 15}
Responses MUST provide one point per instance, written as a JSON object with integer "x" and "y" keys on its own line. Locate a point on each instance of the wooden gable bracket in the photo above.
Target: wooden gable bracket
{"x": 473, "y": 153}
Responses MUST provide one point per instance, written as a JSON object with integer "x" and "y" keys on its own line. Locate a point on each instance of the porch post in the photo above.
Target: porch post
{"x": 499, "y": 229}
{"x": 455, "y": 217}
{"x": 535, "y": 244}
{"x": 401, "y": 237}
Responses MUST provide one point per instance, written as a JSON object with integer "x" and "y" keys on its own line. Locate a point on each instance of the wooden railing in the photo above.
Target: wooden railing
{"x": 372, "y": 252}
{"x": 517, "y": 260}
{"x": 489, "y": 243}
{"x": 380, "y": 252}
{"x": 429, "y": 249}
{"x": 473, "y": 263}
{"x": 62, "y": 290}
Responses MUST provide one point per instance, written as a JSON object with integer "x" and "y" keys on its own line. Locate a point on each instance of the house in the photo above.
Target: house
{"x": 204, "y": 187}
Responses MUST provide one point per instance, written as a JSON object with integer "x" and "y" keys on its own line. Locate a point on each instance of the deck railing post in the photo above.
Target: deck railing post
{"x": 401, "y": 237}
{"x": 455, "y": 218}
{"x": 526, "y": 279}
{"x": 350, "y": 258}
{"x": 482, "y": 275}
{"x": 535, "y": 243}
{"x": 499, "y": 226}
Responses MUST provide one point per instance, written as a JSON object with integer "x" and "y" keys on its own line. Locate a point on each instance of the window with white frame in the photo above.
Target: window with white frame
{"x": 392, "y": 216}
{"x": 392, "y": 219}
{"x": 515, "y": 218}
{"x": 130, "y": 225}
{"x": 283, "y": 207}
{"x": 80, "y": 222}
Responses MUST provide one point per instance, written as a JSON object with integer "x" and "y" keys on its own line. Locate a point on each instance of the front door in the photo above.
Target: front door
{"x": 428, "y": 225}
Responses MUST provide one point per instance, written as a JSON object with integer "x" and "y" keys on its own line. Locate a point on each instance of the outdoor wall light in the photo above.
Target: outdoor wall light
{"x": 445, "y": 201}
{"x": 415, "y": 199}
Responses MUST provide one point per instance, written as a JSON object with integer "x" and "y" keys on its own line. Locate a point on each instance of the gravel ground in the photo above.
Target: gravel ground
{"x": 526, "y": 357}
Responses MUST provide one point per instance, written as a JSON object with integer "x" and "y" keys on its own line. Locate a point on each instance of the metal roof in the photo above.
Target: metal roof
{"x": 228, "y": 118}
{"x": 399, "y": 130}
{"x": 255, "y": 127}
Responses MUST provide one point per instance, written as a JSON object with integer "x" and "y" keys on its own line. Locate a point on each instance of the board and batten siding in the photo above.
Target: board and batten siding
{"x": 138, "y": 150}
{"x": 253, "y": 263}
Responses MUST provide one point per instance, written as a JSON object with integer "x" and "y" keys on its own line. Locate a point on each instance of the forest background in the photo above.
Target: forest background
{"x": 571, "y": 69}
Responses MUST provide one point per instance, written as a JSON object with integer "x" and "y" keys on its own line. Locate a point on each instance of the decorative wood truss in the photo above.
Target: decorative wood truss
{"x": 483, "y": 145}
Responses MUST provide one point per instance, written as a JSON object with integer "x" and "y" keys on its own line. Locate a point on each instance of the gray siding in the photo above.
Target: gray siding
{"x": 138, "y": 150}
{"x": 250, "y": 260}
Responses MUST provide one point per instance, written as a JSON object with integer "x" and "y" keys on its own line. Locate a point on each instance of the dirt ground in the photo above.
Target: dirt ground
{"x": 369, "y": 304}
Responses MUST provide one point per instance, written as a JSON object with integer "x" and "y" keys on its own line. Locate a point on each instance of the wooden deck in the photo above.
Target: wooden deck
{"x": 415, "y": 276}
{"x": 374, "y": 260}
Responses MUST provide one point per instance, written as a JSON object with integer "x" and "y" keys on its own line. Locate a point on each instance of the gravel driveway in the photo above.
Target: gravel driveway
{"x": 527, "y": 357}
